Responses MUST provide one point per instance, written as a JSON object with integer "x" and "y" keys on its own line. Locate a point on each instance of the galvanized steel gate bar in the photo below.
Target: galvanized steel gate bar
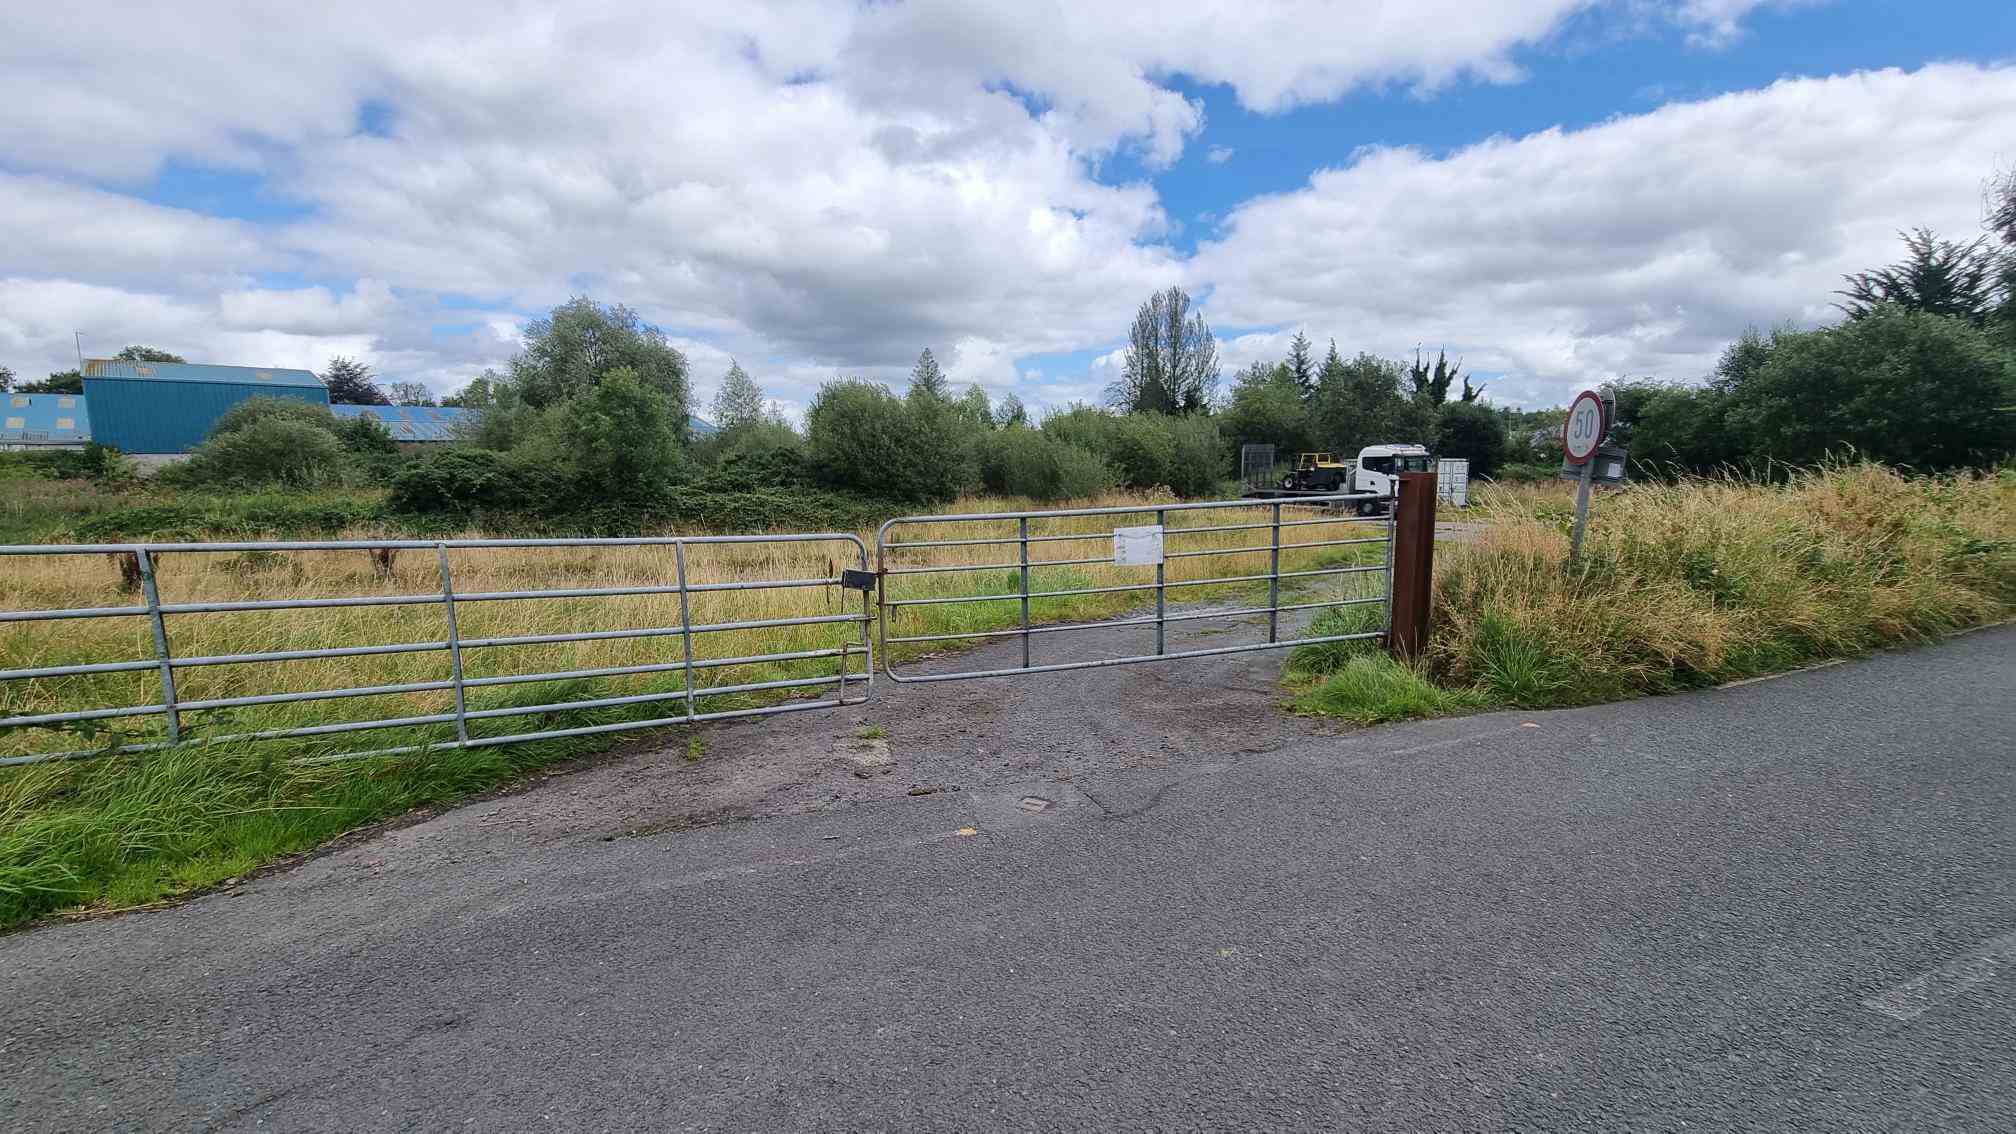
{"x": 173, "y": 710}
{"x": 886, "y": 550}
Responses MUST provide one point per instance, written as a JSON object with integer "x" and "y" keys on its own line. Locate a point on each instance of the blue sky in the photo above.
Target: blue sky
{"x": 818, "y": 189}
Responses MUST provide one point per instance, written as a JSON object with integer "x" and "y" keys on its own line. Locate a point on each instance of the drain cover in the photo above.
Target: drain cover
{"x": 1033, "y": 804}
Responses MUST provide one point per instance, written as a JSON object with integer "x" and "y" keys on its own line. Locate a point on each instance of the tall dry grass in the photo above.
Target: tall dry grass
{"x": 1706, "y": 580}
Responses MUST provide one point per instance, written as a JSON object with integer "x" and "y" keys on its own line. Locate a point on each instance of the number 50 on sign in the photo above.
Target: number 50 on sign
{"x": 1582, "y": 433}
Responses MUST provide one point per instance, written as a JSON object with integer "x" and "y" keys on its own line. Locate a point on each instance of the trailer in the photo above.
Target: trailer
{"x": 1376, "y": 470}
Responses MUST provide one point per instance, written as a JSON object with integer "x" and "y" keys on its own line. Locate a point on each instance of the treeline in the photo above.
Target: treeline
{"x": 1920, "y": 374}
{"x": 587, "y": 427}
{"x": 1341, "y": 406}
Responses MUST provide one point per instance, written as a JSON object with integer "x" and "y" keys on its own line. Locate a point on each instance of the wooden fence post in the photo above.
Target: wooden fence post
{"x": 1413, "y": 564}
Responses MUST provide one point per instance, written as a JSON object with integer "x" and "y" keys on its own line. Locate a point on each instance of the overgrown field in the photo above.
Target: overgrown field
{"x": 120, "y": 830}
{"x": 1686, "y": 585}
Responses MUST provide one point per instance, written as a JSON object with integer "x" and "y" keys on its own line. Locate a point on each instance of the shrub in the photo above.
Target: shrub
{"x": 1087, "y": 427}
{"x": 759, "y": 469}
{"x": 1148, "y": 450}
{"x": 252, "y": 411}
{"x": 1473, "y": 433}
{"x": 1025, "y": 462}
{"x": 272, "y": 449}
{"x": 458, "y": 480}
{"x": 365, "y": 437}
{"x": 92, "y": 462}
{"x": 860, "y": 436}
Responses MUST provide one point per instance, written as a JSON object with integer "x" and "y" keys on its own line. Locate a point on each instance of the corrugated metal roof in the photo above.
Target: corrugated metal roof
{"x": 414, "y": 423}
{"x": 44, "y": 419}
{"x": 199, "y": 372}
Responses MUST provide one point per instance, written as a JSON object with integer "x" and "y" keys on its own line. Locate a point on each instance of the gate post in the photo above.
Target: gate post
{"x": 1413, "y": 564}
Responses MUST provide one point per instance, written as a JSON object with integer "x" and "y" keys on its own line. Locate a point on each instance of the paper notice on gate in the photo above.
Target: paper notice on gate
{"x": 1138, "y": 547}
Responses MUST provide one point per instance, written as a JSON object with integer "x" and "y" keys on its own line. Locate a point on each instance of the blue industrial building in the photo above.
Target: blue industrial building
{"x": 146, "y": 408}
{"x": 165, "y": 409}
{"x": 40, "y": 421}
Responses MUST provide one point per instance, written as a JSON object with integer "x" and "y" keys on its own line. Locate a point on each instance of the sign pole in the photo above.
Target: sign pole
{"x": 1581, "y": 510}
{"x": 1582, "y": 434}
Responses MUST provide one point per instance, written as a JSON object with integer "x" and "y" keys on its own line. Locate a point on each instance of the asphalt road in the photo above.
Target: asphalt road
{"x": 1786, "y": 905}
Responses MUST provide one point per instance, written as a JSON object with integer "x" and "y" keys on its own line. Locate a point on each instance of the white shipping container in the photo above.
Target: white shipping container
{"x": 1452, "y": 481}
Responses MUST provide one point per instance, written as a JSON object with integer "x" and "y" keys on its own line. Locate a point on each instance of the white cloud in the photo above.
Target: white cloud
{"x": 312, "y": 310}
{"x": 1219, "y": 155}
{"x": 1717, "y": 23}
{"x": 53, "y": 226}
{"x": 811, "y": 187}
{"x": 1639, "y": 246}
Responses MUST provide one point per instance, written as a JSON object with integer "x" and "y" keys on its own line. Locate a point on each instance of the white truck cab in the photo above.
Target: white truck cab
{"x": 1379, "y": 467}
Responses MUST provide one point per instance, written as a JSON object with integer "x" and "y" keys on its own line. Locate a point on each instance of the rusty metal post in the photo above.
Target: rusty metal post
{"x": 1413, "y": 564}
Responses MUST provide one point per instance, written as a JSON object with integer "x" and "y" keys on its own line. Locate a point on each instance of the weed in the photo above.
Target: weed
{"x": 1373, "y": 688}
{"x": 871, "y": 732}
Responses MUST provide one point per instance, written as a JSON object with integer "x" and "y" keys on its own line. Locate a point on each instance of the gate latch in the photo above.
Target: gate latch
{"x": 863, "y": 581}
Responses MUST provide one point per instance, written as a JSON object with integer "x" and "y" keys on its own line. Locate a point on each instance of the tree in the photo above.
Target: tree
{"x": 1938, "y": 277}
{"x": 1172, "y": 359}
{"x": 620, "y": 439}
{"x": 6, "y": 379}
{"x": 2002, "y": 222}
{"x": 1672, "y": 428}
{"x": 1431, "y": 385}
{"x": 1359, "y": 403}
{"x": 975, "y": 408}
{"x": 1301, "y": 364}
{"x": 1472, "y": 432}
{"x": 411, "y": 394}
{"x": 1900, "y": 386}
{"x": 740, "y": 401}
{"x": 147, "y": 354}
{"x": 480, "y": 393}
{"x": 567, "y": 352}
{"x": 1267, "y": 408}
{"x": 1011, "y": 413}
{"x": 350, "y": 384}
{"x": 927, "y": 381}
{"x": 2001, "y": 199}
{"x": 1471, "y": 393}
{"x": 860, "y": 436}
{"x": 61, "y": 382}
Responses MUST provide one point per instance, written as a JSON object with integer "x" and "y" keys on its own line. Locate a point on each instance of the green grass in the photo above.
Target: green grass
{"x": 1373, "y": 688}
{"x": 122, "y": 831}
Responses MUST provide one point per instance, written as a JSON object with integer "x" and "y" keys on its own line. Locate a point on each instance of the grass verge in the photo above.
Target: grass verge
{"x": 1687, "y": 585}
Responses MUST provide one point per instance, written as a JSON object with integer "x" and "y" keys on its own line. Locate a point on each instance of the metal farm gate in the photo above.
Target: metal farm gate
{"x": 755, "y": 619}
{"x": 473, "y": 643}
{"x": 1022, "y": 576}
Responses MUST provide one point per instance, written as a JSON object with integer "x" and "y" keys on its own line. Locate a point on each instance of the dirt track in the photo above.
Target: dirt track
{"x": 941, "y": 737}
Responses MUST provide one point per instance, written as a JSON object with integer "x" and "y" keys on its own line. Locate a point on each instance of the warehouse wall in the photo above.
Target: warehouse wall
{"x": 151, "y": 415}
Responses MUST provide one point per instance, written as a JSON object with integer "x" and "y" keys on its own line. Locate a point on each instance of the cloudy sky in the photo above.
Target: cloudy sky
{"x": 1559, "y": 191}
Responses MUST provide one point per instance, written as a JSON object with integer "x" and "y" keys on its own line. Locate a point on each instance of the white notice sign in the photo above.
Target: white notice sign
{"x": 1138, "y": 547}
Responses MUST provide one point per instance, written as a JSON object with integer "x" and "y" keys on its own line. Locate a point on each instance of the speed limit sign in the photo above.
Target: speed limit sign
{"x": 1582, "y": 434}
